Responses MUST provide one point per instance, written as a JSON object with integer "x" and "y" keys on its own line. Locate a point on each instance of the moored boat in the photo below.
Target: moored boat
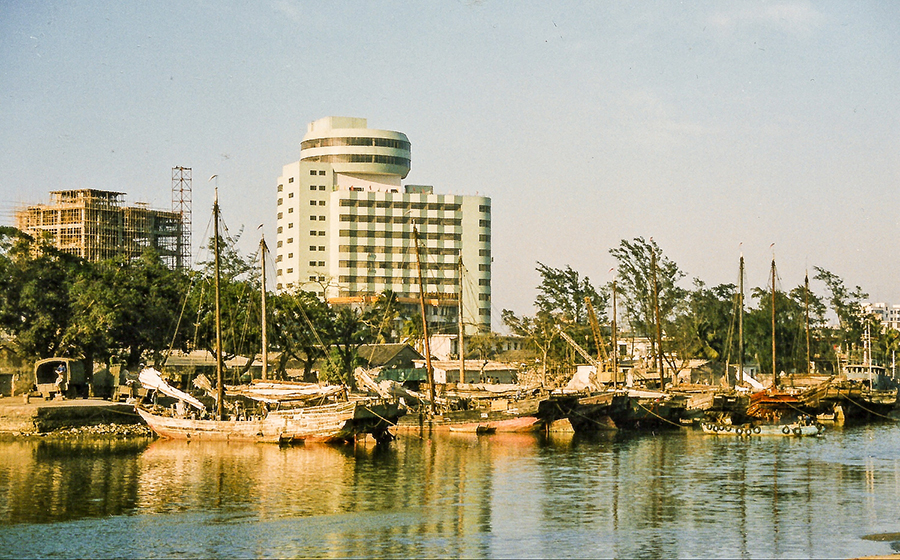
{"x": 794, "y": 429}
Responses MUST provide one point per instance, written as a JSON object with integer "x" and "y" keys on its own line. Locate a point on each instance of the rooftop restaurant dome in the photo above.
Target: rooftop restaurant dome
{"x": 349, "y": 147}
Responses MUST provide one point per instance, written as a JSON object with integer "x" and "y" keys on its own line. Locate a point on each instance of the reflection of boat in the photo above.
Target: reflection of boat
{"x": 794, "y": 429}
{"x": 605, "y": 410}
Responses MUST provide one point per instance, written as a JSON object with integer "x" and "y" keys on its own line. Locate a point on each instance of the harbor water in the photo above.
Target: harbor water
{"x": 672, "y": 494}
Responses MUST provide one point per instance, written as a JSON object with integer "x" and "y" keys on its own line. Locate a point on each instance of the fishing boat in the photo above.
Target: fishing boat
{"x": 291, "y": 421}
{"x": 795, "y": 429}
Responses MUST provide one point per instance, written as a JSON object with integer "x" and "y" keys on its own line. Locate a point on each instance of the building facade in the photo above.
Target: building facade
{"x": 347, "y": 226}
{"x": 96, "y": 225}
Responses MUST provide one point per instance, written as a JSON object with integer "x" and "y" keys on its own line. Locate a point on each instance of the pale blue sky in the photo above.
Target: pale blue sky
{"x": 701, "y": 124}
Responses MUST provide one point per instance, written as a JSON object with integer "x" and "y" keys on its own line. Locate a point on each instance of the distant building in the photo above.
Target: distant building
{"x": 96, "y": 225}
{"x": 345, "y": 226}
{"x": 888, "y": 314}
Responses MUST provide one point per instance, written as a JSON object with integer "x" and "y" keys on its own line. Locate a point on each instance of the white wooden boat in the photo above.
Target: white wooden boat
{"x": 795, "y": 429}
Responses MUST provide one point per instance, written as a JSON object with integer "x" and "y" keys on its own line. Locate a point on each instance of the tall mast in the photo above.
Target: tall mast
{"x": 428, "y": 369}
{"x": 806, "y": 303}
{"x": 265, "y": 342}
{"x": 774, "y": 369}
{"x": 659, "y": 358}
{"x": 615, "y": 339}
{"x": 220, "y": 381}
{"x": 740, "y": 376}
{"x": 462, "y": 351}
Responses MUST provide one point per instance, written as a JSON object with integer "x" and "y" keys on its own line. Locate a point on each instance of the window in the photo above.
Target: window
{"x": 484, "y": 252}
{"x": 290, "y": 225}
{"x": 313, "y": 233}
{"x": 484, "y": 297}
{"x": 280, "y": 188}
{"x": 484, "y": 267}
{"x": 484, "y": 208}
{"x": 312, "y": 202}
{"x": 278, "y": 272}
{"x": 484, "y": 311}
{"x": 484, "y": 223}
{"x": 312, "y": 171}
{"x": 312, "y": 247}
{"x": 321, "y": 247}
{"x": 280, "y": 215}
{"x": 279, "y": 243}
{"x": 280, "y": 229}
{"x": 278, "y": 258}
{"x": 321, "y": 234}
{"x": 290, "y": 240}
{"x": 290, "y": 271}
{"x": 290, "y": 195}
{"x": 312, "y": 263}
{"x": 484, "y": 237}
{"x": 321, "y": 172}
{"x": 321, "y": 187}
{"x": 290, "y": 255}
{"x": 280, "y": 201}
{"x": 290, "y": 179}
{"x": 321, "y": 203}
{"x": 312, "y": 187}
{"x": 321, "y": 263}
{"x": 321, "y": 218}
{"x": 484, "y": 282}
{"x": 313, "y": 218}
{"x": 291, "y": 210}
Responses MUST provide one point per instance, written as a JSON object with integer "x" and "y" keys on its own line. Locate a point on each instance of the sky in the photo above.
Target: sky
{"x": 714, "y": 128}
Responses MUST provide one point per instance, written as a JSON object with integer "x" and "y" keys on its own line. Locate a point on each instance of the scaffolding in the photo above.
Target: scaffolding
{"x": 181, "y": 205}
{"x": 95, "y": 225}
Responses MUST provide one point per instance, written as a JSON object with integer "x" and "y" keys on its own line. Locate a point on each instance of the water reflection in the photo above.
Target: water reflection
{"x": 679, "y": 494}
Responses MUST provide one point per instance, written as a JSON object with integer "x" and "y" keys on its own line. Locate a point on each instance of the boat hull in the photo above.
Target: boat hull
{"x": 326, "y": 423}
{"x": 781, "y": 430}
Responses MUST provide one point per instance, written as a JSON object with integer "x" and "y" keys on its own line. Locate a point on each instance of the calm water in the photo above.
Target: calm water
{"x": 670, "y": 495}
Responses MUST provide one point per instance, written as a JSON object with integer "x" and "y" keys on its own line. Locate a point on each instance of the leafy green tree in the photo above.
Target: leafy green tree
{"x": 563, "y": 291}
{"x": 345, "y": 332}
{"x": 35, "y": 306}
{"x": 705, "y": 327}
{"x": 299, "y": 316}
{"x": 847, "y": 305}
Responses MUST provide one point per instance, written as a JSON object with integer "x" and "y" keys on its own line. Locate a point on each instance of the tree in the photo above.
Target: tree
{"x": 346, "y": 332}
{"x": 541, "y": 332}
{"x": 35, "y": 306}
{"x": 563, "y": 291}
{"x": 297, "y": 315}
{"x": 847, "y": 305}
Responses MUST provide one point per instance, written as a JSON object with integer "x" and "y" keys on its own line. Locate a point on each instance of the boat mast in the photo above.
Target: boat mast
{"x": 265, "y": 342}
{"x": 462, "y": 351}
{"x": 615, "y": 339}
{"x": 220, "y": 381}
{"x": 659, "y": 358}
{"x": 428, "y": 369}
{"x": 740, "y": 375}
{"x": 806, "y": 303}
{"x": 774, "y": 369}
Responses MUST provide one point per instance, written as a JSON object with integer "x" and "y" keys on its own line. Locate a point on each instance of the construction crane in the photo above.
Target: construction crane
{"x": 595, "y": 326}
{"x": 598, "y": 367}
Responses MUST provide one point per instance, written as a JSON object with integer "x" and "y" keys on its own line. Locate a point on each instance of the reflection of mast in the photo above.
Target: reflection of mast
{"x": 428, "y": 369}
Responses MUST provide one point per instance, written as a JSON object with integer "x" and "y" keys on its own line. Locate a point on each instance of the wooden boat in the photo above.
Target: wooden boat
{"x": 337, "y": 422}
{"x": 795, "y": 429}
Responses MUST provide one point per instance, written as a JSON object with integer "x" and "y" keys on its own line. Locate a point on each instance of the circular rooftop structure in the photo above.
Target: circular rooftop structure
{"x": 349, "y": 147}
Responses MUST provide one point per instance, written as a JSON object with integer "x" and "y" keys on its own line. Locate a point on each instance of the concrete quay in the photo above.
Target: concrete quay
{"x": 38, "y": 416}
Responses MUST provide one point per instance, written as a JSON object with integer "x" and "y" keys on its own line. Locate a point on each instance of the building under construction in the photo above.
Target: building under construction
{"x": 96, "y": 225}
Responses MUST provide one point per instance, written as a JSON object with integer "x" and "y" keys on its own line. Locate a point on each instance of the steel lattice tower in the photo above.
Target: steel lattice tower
{"x": 181, "y": 205}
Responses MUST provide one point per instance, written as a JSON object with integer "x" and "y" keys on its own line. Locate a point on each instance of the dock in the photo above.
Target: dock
{"x": 39, "y": 416}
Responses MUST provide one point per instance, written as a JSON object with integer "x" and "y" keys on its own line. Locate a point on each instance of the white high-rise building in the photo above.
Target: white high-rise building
{"x": 345, "y": 226}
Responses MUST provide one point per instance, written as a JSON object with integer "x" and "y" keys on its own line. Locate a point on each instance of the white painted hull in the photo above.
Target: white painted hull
{"x": 783, "y": 430}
